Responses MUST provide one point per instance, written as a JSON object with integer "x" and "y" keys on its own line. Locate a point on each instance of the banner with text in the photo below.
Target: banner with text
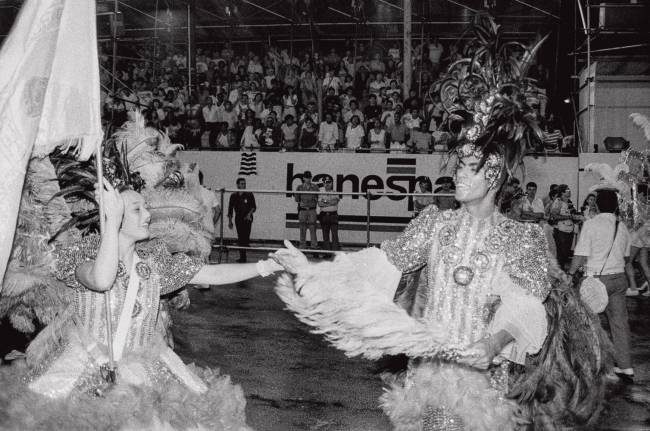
{"x": 276, "y": 217}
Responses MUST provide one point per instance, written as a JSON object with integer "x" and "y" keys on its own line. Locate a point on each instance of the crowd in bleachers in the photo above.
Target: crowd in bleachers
{"x": 349, "y": 99}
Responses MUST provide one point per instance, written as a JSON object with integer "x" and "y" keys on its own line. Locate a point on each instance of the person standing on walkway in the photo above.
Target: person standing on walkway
{"x": 603, "y": 249}
{"x": 243, "y": 205}
{"x": 328, "y": 216}
{"x": 307, "y": 210}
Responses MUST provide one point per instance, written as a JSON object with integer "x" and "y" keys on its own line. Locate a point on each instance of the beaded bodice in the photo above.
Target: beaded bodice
{"x": 463, "y": 255}
{"x": 159, "y": 273}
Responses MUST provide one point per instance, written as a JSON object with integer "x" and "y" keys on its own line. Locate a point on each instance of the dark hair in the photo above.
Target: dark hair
{"x": 240, "y": 179}
{"x": 561, "y": 189}
{"x": 584, "y": 203}
{"x": 424, "y": 180}
{"x": 531, "y": 184}
{"x": 607, "y": 201}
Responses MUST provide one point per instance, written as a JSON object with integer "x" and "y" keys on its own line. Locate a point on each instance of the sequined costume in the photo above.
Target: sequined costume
{"x": 481, "y": 276}
{"x": 151, "y": 379}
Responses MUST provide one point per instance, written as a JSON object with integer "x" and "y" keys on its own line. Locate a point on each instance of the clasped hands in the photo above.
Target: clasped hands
{"x": 290, "y": 258}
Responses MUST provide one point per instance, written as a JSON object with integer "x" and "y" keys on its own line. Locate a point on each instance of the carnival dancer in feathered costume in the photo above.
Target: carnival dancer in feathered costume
{"x": 68, "y": 361}
{"x": 495, "y": 343}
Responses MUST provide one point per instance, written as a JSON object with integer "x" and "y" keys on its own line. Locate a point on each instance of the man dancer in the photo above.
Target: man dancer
{"x": 477, "y": 309}
{"x": 243, "y": 205}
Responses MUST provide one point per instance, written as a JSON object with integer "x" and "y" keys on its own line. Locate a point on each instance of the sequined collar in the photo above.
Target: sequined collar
{"x": 491, "y": 219}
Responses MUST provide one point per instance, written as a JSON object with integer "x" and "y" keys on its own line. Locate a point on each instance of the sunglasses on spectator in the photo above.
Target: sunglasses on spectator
{"x": 327, "y": 181}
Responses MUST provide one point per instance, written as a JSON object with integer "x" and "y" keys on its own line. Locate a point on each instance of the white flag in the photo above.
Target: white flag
{"x": 49, "y": 95}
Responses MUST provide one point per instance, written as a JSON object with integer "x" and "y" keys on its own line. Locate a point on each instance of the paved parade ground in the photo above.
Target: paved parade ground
{"x": 294, "y": 381}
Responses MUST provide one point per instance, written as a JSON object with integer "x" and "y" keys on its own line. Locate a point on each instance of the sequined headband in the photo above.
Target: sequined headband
{"x": 493, "y": 164}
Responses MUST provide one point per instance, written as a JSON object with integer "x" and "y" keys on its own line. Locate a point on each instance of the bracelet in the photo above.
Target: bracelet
{"x": 263, "y": 268}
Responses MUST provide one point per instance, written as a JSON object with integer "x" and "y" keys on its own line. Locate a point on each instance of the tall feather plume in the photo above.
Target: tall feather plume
{"x": 511, "y": 131}
{"x": 492, "y": 83}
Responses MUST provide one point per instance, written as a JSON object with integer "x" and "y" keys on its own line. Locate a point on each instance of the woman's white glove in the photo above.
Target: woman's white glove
{"x": 267, "y": 267}
{"x": 291, "y": 259}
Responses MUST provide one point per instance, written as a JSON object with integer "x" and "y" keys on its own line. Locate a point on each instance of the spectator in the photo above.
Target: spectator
{"x": 289, "y": 134}
{"x": 229, "y": 115}
{"x": 372, "y": 111}
{"x": 412, "y": 119}
{"x": 562, "y": 212}
{"x": 332, "y": 81}
{"x": 589, "y": 209}
{"x": 446, "y": 187}
{"x": 398, "y": 135}
{"x": 270, "y": 137}
{"x": 421, "y": 202}
{"x": 548, "y": 199}
{"x": 377, "y": 137}
{"x": 420, "y": 142}
{"x": 377, "y": 84}
{"x": 354, "y": 134}
{"x": 328, "y": 216}
{"x": 249, "y": 138}
{"x": 532, "y": 208}
{"x": 376, "y": 65}
{"x": 435, "y": 54}
{"x": 394, "y": 52}
{"x": 307, "y": 210}
{"x": 388, "y": 115}
{"x": 353, "y": 111}
{"x": 289, "y": 102}
{"x": 308, "y": 140}
{"x": 603, "y": 249}
{"x": 242, "y": 204}
{"x": 257, "y": 106}
{"x": 328, "y": 134}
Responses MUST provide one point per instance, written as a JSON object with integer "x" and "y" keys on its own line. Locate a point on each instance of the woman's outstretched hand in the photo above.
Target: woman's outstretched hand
{"x": 291, "y": 259}
{"x": 113, "y": 205}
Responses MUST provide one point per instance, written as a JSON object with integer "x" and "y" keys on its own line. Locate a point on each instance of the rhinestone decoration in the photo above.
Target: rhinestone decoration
{"x": 453, "y": 255}
{"x": 463, "y": 275}
{"x": 143, "y": 270}
{"x": 441, "y": 419}
{"x": 481, "y": 260}
{"x": 493, "y": 165}
{"x": 447, "y": 235}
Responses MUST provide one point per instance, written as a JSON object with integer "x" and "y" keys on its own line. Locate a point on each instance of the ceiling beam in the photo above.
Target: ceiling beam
{"x": 279, "y": 15}
{"x": 341, "y": 12}
{"x": 156, "y": 20}
{"x": 545, "y": 12}
{"x": 463, "y": 6}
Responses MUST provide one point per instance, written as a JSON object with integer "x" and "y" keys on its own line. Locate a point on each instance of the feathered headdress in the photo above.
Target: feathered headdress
{"x": 488, "y": 97}
{"x": 77, "y": 181}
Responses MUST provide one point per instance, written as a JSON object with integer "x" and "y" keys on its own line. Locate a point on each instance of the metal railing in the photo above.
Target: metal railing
{"x": 222, "y": 247}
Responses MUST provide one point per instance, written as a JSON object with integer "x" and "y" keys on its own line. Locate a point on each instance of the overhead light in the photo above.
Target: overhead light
{"x": 567, "y": 100}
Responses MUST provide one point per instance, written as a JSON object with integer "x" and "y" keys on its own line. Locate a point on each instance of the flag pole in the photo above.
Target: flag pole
{"x": 107, "y": 295}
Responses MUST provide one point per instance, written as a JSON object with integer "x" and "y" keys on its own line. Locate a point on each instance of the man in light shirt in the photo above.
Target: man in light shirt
{"x": 354, "y": 134}
{"x": 603, "y": 249}
{"x": 328, "y": 134}
{"x": 211, "y": 117}
{"x": 532, "y": 207}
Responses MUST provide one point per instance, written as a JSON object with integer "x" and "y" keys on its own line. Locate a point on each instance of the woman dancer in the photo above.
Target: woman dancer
{"x": 152, "y": 389}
